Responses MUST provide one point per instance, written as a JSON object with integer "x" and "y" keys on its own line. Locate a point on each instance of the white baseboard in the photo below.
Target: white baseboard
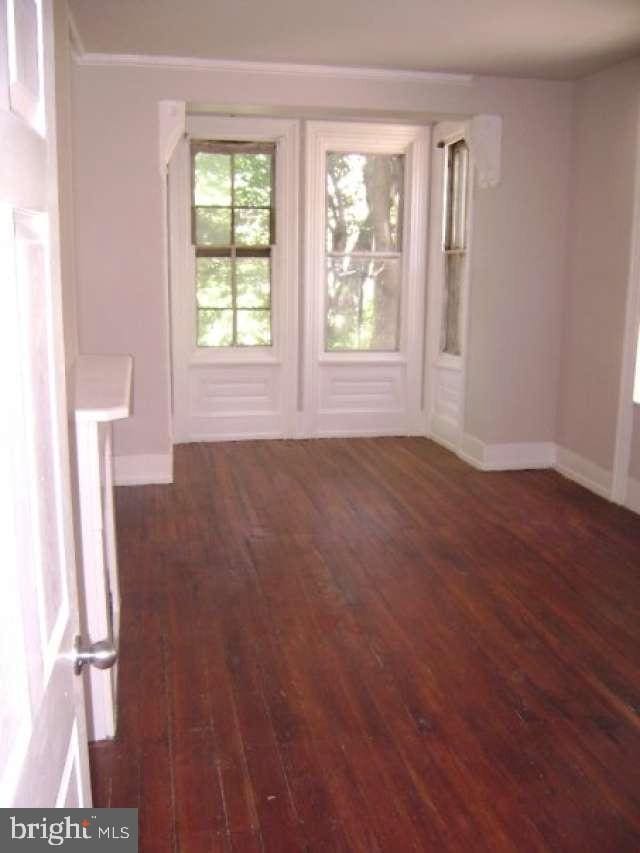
{"x": 471, "y": 450}
{"x": 584, "y": 472}
{"x": 513, "y": 457}
{"x": 507, "y": 457}
{"x": 444, "y": 431}
{"x": 519, "y": 456}
{"x": 143, "y": 469}
{"x": 382, "y": 432}
{"x": 632, "y": 500}
{"x": 214, "y": 438}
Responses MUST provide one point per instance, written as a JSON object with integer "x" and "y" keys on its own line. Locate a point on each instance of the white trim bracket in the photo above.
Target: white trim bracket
{"x": 485, "y": 142}
{"x": 172, "y": 127}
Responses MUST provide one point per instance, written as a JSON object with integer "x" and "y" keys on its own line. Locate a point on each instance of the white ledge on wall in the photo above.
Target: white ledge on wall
{"x": 355, "y": 72}
{"x": 485, "y": 142}
{"x": 102, "y": 390}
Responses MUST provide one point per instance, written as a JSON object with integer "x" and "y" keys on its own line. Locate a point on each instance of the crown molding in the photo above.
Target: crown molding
{"x": 277, "y": 68}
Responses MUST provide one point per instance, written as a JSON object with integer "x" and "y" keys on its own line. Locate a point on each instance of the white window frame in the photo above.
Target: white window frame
{"x": 445, "y": 359}
{"x": 284, "y": 256}
{"x": 366, "y": 138}
{"x": 445, "y": 373}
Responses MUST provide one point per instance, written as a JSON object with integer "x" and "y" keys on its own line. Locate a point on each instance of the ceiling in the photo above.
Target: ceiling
{"x": 554, "y": 39}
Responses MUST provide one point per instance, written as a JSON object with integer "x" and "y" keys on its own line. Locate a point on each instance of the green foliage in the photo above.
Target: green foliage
{"x": 252, "y": 179}
{"x": 215, "y": 328}
{"x": 213, "y": 283}
{"x": 251, "y": 227}
{"x": 362, "y": 304}
{"x": 253, "y": 282}
{"x": 254, "y": 328}
{"x": 213, "y": 226}
{"x": 212, "y": 184}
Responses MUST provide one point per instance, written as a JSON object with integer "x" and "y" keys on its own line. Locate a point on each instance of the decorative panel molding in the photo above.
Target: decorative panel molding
{"x": 448, "y": 393}
{"x": 363, "y": 389}
{"x": 234, "y": 390}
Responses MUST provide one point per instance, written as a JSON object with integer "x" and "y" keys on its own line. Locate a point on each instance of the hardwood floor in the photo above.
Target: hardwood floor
{"x": 366, "y": 645}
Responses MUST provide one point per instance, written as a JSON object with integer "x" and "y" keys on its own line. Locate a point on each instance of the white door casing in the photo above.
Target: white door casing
{"x": 239, "y": 392}
{"x": 43, "y": 758}
{"x": 366, "y": 393}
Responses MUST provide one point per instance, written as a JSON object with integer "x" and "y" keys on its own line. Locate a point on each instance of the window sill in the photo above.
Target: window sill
{"x": 364, "y": 358}
{"x": 216, "y": 357}
{"x": 449, "y": 362}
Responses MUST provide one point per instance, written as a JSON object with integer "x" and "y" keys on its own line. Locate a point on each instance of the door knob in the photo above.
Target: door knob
{"x": 102, "y": 655}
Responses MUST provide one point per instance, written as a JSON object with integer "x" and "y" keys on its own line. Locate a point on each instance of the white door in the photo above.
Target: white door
{"x": 366, "y": 209}
{"x": 43, "y": 751}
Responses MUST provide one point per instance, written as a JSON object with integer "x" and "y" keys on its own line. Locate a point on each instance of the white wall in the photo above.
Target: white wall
{"x": 518, "y": 240}
{"x": 604, "y": 151}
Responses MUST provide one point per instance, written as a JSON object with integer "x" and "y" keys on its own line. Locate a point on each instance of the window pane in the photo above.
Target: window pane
{"x": 212, "y": 179}
{"x": 455, "y": 214}
{"x": 213, "y": 282}
{"x": 213, "y": 226}
{"x": 363, "y": 303}
{"x": 364, "y": 202}
{"x": 215, "y": 328}
{"x": 252, "y": 227}
{"x": 254, "y": 328}
{"x": 253, "y": 285}
{"x": 453, "y": 271}
{"x": 252, "y": 180}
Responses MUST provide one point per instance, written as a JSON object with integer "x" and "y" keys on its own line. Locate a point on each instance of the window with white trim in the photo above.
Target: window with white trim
{"x": 233, "y": 232}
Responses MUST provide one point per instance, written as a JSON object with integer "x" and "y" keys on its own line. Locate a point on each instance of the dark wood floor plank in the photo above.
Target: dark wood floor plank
{"x": 366, "y": 645}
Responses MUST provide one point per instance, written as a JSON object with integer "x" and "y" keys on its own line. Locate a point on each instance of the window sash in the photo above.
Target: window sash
{"x": 234, "y": 308}
{"x": 364, "y": 255}
{"x": 231, "y": 148}
{"x": 457, "y": 167}
{"x": 454, "y": 245}
{"x": 232, "y": 250}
